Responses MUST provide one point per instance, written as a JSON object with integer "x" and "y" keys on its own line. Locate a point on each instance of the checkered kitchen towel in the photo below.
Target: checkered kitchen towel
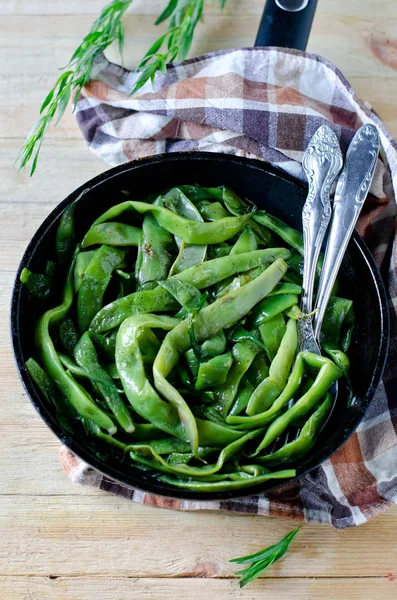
{"x": 263, "y": 103}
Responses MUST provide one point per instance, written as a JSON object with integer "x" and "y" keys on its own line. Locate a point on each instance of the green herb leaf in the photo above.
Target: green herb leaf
{"x": 183, "y": 17}
{"x": 105, "y": 29}
{"x": 260, "y": 561}
{"x": 167, "y": 12}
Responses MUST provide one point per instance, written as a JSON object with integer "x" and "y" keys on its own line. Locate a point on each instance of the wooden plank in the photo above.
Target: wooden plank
{"x": 365, "y": 8}
{"x": 63, "y": 166}
{"x": 39, "y": 52}
{"x": 22, "y": 222}
{"x": 87, "y": 588}
{"x": 101, "y": 534}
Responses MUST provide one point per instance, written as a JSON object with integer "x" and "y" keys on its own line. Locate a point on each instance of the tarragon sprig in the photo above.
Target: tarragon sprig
{"x": 105, "y": 29}
{"x": 260, "y": 561}
{"x": 182, "y": 17}
{"x": 174, "y": 45}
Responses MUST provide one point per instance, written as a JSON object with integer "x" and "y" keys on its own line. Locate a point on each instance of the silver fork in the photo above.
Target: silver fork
{"x": 350, "y": 194}
{"x": 351, "y": 191}
{"x": 321, "y": 163}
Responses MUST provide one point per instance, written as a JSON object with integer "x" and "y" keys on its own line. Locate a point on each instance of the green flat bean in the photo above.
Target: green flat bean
{"x": 335, "y": 315}
{"x": 271, "y": 307}
{"x": 154, "y": 254}
{"x": 38, "y": 285}
{"x": 186, "y": 294}
{"x": 243, "y": 354}
{"x": 64, "y": 240}
{"x": 191, "y": 232}
{"x": 286, "y": 288}
{"x": 245, "y": 243}
{"x": 87, "y": 358}
{"x": 213, "y": 346}
{"x": 95, "y": 281}
{"x": 215, "y": 434}
{"x": 328, "y": 373}
{"x": 258, "y": 371}
{"x": 72, "y": 367}
{"x": 142, "y": 396}
{"x": 212, "y": 211}
{"x": 201, "y": 276}
{"x": 224, "y": 486}
{"x": 75, "y": 394}
{"x": 305, "y": 440}
{"x": 189, "y": 254}
{"x": 208, "y": 322}
{"x": 244, "y": 394}
{"x": 112, "y": 234}
{"x": 82, "y": 261}
{"x": 271, "y": 387}
{"x": 65, "y": 413}
{"x": 68, "y": 334}
{"x": 272, "y": 332}
{"x": 214, "y": 371}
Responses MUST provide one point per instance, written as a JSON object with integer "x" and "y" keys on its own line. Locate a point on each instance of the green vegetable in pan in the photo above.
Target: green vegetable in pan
{"x": 175, "y": 344}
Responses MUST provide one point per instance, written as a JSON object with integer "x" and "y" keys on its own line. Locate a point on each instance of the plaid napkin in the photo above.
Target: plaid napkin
{"x": 263, "y": 103}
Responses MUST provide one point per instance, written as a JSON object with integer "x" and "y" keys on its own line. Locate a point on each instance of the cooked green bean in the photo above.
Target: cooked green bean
{"x": 138, "y": 389}
{"x": 191, "y": 232}
{"x": 306, "y": 439}
{"x": 213, "y": 372}
{"x": 39, "y": 285}
{"x": 112, "y": 234}
{"x": 201, "y": 276}
{"x": 154, "y": 254}
{"x": 95, "y": 281}
{"x": 226, "y": 486}
{"x": 82, "y": 261}
{"x": 328, "y": 373}
{"x": 77, "y": 395}
{"x": 87, "y": 358}
{"x": 64, "y": 240}
{"x": 243, "y": 353}
{"x": 272, "y": 332}
{"x": 68, "y": 334}
{"x": 186, "y": 339}
{"x": 189, "y": 254}
{"x": 270, "y": 388}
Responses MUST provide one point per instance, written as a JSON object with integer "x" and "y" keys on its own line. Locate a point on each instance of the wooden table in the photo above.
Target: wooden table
{"x": 60, "y": 541}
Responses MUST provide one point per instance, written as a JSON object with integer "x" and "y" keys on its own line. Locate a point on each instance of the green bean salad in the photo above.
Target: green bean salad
{"x": 175, "y": 344}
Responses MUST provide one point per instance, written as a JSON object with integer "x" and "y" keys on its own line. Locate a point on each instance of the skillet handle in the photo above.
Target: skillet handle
{"x": 286, "y": 23}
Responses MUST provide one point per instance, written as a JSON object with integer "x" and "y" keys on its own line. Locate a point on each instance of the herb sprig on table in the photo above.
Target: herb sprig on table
{"x": 262, "y": 560}
{"x": 181, "y": 16}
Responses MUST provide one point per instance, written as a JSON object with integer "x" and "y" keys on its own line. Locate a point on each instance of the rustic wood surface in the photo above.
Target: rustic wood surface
{"x": 60, "y": 541}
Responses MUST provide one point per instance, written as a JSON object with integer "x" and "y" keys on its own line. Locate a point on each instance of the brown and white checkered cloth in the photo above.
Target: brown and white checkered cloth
{"x": 263, "y": 103}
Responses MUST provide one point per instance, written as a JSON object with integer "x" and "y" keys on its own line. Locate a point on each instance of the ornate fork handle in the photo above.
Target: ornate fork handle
{"x": 351, "y": 191}
{"x": 322, "y": 162}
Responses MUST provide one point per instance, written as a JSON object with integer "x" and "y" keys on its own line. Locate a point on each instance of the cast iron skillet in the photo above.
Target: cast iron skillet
{"x": 270, "y": 189}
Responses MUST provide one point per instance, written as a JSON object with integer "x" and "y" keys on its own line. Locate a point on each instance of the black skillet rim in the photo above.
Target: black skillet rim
{"x": 133, "y": 480}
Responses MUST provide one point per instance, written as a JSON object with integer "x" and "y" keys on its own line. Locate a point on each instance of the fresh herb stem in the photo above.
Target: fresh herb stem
{"x": 260, "y": 561}
{"x": 182, "y": 17}
{"x": 105, "y": 29}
